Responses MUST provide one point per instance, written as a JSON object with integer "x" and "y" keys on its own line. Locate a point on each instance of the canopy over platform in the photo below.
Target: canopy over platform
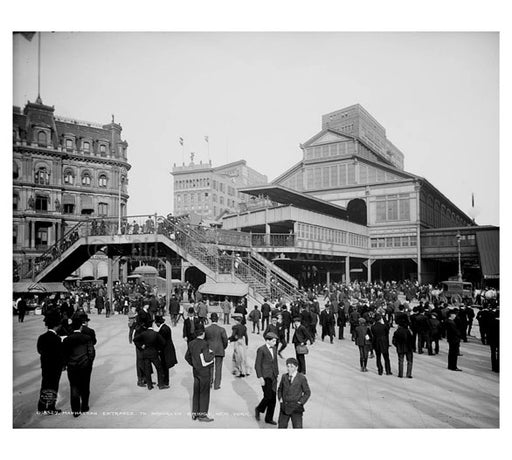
{"x": 228, "y": 289}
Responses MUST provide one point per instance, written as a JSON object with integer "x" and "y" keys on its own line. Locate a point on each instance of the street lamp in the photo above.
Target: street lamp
{"x": 459, "y": 274}
{"x": 121, "y": 180}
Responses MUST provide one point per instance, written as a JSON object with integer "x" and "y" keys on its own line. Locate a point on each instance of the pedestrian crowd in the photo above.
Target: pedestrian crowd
{"x": 370, "y": 310}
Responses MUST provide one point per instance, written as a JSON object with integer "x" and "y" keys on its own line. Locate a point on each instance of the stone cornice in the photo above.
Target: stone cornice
{"x": 70, "y": 156}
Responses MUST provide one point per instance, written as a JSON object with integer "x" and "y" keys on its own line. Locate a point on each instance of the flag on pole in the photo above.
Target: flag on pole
{"x": 181, "y": 141}
{"x": 206, "y": 138}
{"x": 472, "y": 200}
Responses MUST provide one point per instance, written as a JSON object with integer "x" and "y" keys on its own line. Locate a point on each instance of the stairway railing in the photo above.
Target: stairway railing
{"x": 191, "y": 240}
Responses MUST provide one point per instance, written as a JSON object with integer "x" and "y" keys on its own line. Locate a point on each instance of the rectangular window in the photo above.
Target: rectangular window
{"x": 325, "y": 177}
{"x": 389, "y": 242}
{"x": 392, "y": 207}
{"x": 68, "y": 209}
{"x": 334, "y": 175}
{"x": 15, "y": 200}
{"x": 372, "y": 175}
{"x": 15, "y": 235}
{"x": 412, "y": 240}
{"x": 102, "y": 209}
{"x": 351, "y": 174}
{"x": 396, "y": 241}
{"x": 380, "y": 211}
{"x": 381, "y": 242}
{"x": 343, "y": 174}
{"x": 317, "y": 181}
{"x": 363, "y": 174}
{"x": 42, "y": 236}
{"x": 41, "y": 203}
{"x": 404, "y": 207}
{"x": 380, "y": 175}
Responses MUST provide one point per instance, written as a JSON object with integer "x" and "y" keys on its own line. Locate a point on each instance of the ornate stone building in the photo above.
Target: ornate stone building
{"x": 64, "y": 171}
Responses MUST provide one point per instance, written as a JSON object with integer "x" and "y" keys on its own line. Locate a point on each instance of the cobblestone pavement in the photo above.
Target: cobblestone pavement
{"x": 342, "y": 396}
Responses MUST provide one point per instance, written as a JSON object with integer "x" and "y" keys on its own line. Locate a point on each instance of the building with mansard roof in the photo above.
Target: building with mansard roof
{"x": 64, "y": 171}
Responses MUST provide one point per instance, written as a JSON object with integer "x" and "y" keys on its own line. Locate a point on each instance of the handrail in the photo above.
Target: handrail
{"x": 260, "y": 275}
{"x": 279, "y": 272}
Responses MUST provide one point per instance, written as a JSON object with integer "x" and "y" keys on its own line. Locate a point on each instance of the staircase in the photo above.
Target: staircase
{"x": 264, "y": 279}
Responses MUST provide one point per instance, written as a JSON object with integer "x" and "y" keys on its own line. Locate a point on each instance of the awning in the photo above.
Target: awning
{"x": 488, "y": 243}
{"x": 67, "y": 198}
{"x": 38, "y": 288}
{"x": 231, "y": 289}
{"x": 86, "y": 202}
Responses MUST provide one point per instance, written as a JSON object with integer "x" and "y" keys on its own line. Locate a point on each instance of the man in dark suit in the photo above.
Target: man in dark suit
{"x": 403, "y": 340}
{"x": 327, "y": 321}
{"x": 293, "y": 393}
{"x": 267, "y": 370}
{"x": 79, "y": 356}
{"x": 200, "y": 358}
{"x": 190, "y": 325}
{"x": 49, "y": 346}
{"x": 265, "y": 314}
{"x": 168, "y": 352}
{"x": 301, "y": 337}
{"x": 453, "y": 336}
{"x": 286, "y": 321}
{"x": 217, "y": 340}
{"x": 380, "y": 341}
{"x": 150, "y": 343}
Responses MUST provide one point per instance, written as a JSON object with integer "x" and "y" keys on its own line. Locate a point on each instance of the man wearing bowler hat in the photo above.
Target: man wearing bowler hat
{"x": 267, "y": 371}
{"x": 217, "y": 340}
{"x": 293, "y": 393}
{"x": 200, "y": 357}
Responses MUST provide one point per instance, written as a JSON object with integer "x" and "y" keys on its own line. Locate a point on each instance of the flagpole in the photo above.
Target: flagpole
{"x": 39, "y": 68}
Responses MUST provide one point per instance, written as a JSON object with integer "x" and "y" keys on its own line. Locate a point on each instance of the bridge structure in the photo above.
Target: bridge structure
{"x": 222, "y": 257}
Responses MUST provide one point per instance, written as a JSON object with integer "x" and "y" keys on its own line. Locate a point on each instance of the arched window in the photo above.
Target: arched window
{"x": 42, "y": 138}
{"x": 69, "y": 177}
{"x": 103, "y": 149}
{"x": 42, "y": 176}
{"x": 102, "y": 181}
{"x": 86, "y": 179}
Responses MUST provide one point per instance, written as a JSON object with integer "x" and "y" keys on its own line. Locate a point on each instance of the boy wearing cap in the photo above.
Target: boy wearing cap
{"x": 293, "y": 393}
{"x": 267, "y": 370}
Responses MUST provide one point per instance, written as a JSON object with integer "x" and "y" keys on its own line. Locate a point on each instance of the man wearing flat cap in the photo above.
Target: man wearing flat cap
{"x": 217, "y": 340}
{"x": 293, "y": 393}
{"x": 267, "y": 371}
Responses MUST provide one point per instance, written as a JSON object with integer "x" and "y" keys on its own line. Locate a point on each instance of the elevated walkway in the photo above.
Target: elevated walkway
{"x": 263, "y": 278}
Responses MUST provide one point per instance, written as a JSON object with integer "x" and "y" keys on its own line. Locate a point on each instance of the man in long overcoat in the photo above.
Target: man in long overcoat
{"x": 168, "y": 352}
{"x": 380, "y": 341}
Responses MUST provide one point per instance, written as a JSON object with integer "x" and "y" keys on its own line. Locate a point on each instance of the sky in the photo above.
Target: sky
{"x": 257, "y": 96}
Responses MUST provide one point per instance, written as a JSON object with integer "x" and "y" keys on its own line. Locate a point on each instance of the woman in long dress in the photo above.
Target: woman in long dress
{"x": 240, "y": 340}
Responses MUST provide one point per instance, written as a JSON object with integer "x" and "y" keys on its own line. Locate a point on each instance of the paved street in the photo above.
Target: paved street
{"x": 342, "y": 396}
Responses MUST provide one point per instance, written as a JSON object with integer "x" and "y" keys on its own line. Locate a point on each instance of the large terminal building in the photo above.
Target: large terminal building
{"x": 348, "y": 210}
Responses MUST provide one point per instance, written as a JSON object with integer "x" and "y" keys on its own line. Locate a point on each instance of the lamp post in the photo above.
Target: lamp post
{"x": 121, "y": 180}
{"x": 459, "y": 274}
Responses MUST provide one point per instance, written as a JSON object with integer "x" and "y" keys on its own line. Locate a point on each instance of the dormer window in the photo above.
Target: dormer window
{"x": 87, "y": 146}
{"x": 86, "y": 179}
{"x": 103, "y": 149}
{"x": 42, "y": 138}
{"x": 69, "y": 144}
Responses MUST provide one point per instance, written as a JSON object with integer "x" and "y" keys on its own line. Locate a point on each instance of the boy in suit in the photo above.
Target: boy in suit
{"x": 267, "y": 370}
{"x": 293, "y": 393}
